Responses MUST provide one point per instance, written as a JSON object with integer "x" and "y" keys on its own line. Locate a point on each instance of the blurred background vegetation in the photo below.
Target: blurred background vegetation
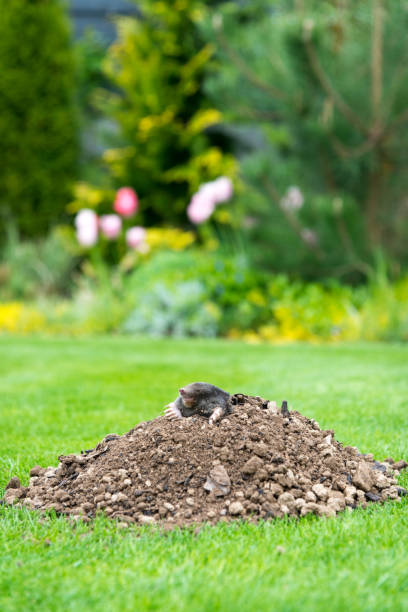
{"x": 302, "y": 105}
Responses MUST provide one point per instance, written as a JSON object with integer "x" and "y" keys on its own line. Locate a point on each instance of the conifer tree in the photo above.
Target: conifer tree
{"x": 38, "y": 130}
{"x": 324, "y": 85}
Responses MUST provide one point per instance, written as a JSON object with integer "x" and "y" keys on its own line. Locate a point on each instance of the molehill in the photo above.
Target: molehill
{"x": 258, "y": 463}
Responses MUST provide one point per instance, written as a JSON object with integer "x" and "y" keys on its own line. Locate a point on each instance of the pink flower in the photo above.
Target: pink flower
{"x": 223, "y": 189}
{"x": 86, "y": 222}
{"x": 207, "y": 197}
{"x": 135, "y": 236}
{"x": 207, "y": 191}
{"x": 87, "y": 237}
{"x": 309, "y": 236}
{"x": 86, "y": 217}
{"x": 126, "y": 202}
{"x": 293, "y": 200}
{"x": 218, "y": 191}
{"x": 111, "y": 226}
{"x": 200, "y": 208}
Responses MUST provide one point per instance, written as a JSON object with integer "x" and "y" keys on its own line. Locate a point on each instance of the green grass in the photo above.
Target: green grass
{"x": 60, "y": 396}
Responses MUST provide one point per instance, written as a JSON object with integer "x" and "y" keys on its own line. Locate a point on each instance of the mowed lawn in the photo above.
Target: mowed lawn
{"x": 63, "y": 395}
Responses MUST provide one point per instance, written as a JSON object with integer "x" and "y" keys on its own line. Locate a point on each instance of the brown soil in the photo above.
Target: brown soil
{"x": 259, "y": 463}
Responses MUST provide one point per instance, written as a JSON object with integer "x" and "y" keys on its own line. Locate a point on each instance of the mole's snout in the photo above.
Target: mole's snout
{"x": 181, "y": 391}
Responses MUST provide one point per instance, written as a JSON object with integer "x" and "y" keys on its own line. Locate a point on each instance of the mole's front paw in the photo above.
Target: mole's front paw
{"x": 172, "y": 412}
{"x": 216, "y": 415}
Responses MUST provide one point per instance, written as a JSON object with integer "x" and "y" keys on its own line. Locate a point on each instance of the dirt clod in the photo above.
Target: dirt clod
{"x": 399, "y": 465}
{"x": 218, "y": 481}
{"x": 14, "y": 483}
{"x": 363, "y": 477}
{"x": 259, "y": 463}
{"x": 236, "y": 508}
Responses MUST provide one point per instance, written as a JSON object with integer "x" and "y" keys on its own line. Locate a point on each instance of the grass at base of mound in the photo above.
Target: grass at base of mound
{"x": 61, "y": 396}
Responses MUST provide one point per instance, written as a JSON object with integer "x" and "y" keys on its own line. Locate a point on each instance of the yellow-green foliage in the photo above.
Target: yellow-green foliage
{"x": 170, "y": 237}
{"x": 157, "y": 67}
{"x": 89, "y": 196}
{"x": 20, "y": 318}
{"x": 314, "y": 313}
{"x": 310, "y": 313}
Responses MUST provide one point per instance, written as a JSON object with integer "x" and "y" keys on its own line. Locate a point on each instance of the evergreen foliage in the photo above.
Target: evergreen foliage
{"x": 324, "y": 84}
{"x": 38, "y": 134}
{"x": 165, "y": 147}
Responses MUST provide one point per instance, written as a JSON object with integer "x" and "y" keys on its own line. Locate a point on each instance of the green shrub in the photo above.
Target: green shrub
{"x": 324, "y": 85}
{"x": 205, "y": 294}
{"x": 193, "y": 293}
{"x": 30, "y": 269}
{"x": 182, "y": 310}
{"x": 196, "y": 293}
{"x": 163, "y": 148}
{"x": 38, "y": 131}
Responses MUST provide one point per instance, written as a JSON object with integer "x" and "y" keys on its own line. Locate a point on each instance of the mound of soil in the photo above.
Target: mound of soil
{"x": 258, "y": 463}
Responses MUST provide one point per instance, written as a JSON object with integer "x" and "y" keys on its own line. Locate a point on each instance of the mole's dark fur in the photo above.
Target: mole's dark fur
{"x": 202, "y": 398}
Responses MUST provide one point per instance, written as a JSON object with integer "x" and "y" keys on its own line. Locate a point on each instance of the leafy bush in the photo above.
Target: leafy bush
{"x": 31, "y": 269}
{"x": 163, "y": 148}
{"x": 38, "y": 136}
{"x": 324, "y": 85}
{"x": 195, "y": 293}
{"x": 164, "y": 298}
{"x": 180, "y": 311}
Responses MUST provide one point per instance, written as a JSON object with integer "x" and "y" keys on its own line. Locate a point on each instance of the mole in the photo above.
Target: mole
{"x": 202, "y": 399}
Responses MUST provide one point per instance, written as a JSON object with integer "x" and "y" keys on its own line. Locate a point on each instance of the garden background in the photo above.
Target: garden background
{"x": 195, "y": 168}
{"x": 202, "y": 191}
